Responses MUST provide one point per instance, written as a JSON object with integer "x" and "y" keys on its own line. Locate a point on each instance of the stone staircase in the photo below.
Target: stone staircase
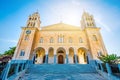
{"x": 62, "y": 68}
{"x": 61, "y": 72}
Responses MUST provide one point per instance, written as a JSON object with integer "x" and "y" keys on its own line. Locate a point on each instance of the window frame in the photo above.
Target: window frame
{"x": 22, "y": 52}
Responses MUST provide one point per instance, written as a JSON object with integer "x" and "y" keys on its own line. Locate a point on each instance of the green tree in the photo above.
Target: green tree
{"x": 10, "y": 51}
{"x": 0, "y": 54}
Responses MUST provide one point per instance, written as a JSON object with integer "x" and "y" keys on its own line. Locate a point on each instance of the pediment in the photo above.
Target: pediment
{"x": 61, "y": 27}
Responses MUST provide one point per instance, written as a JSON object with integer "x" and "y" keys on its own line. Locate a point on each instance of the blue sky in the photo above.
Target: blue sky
{"x": 14, "y": 14}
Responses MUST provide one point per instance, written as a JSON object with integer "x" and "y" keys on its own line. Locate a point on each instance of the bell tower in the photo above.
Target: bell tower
{"x": 87, "y": 21}
{"x": 27, "y": 38}
{"x": 34, "y": 20}
{"x": 93, "y": 35}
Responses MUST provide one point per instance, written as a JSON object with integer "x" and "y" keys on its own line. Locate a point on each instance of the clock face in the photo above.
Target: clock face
{"x": 28, "y": 31}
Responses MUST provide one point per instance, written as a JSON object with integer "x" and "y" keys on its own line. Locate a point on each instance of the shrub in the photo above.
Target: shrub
{"x": 111, "y": 59}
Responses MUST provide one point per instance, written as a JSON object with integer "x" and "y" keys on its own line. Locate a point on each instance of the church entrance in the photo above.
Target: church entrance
{"x": 60, "y": 59}
{"x": 61, "y": 55}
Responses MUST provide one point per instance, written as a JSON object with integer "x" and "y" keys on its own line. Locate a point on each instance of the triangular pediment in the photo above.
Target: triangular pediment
{"x": 61, "y": 27}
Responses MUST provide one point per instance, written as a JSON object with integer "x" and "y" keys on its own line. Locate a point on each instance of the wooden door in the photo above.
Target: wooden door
{"x": 60, "y": 59}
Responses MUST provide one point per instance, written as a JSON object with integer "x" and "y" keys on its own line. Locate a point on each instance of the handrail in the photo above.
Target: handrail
{"x": 14, "y": 67}
{"x": 4, "y": 71}
{"x": 109, "y": 73}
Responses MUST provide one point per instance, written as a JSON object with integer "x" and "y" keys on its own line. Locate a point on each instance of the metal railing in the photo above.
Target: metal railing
{"x": 109, "y": 71}
{"x": 13, "y": 68}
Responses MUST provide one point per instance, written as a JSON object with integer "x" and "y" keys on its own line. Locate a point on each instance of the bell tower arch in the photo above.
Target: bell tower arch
{"x": 87, "y": 21}
{"x": 34, "y": 20}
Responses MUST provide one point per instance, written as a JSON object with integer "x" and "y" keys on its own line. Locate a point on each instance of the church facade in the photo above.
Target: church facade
{"x": 60, "y": 43}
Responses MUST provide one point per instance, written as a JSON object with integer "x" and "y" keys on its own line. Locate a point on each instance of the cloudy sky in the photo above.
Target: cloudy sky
{"x": 14, "y": 15}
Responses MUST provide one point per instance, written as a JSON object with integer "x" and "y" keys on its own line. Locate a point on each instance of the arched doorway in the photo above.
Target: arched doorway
{"x": 61, "y": 55}
{"x": 40, "y": 55}
{"x": 51, "y": 55}
{"x": 71, "y": 56}
{"x": 82, "y": 56}
{"x": 60, "y": 59}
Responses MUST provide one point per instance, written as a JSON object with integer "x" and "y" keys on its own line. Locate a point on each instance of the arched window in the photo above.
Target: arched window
{"x": 26, "y": 37}
{"x": 41, "y": 40}
{"x": 28, "y": 24}
{"x": 80, "y": 40}
{"x": 94, "y": 38}
{"x": 30, "y": 18}
{"x": 60, "y": 38}
{"x": 70, "y": 40}
{"x": 51, "y": 40}
{"x": 22, "y": 53}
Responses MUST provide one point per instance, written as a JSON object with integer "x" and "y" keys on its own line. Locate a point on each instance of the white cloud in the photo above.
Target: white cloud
{"x": 8, "y": 40}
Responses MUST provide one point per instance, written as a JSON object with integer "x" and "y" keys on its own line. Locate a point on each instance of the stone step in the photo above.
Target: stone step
{"x": 61, "y": 68}
{"x": 66, "y": 76}
{"x": 62, "y": 72}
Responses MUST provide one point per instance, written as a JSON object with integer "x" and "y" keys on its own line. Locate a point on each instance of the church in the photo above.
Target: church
{"x": 60, "y": 43}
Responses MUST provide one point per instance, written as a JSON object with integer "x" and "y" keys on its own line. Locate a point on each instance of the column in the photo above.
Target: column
{"x": 75, "y": 58}
{"x": 34, "y": 56}
{"x": 89, "y": 57}
{"x": 55, "y": 57}
{"x": 66, "y": 58}
{"x": 46, "y": 58}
